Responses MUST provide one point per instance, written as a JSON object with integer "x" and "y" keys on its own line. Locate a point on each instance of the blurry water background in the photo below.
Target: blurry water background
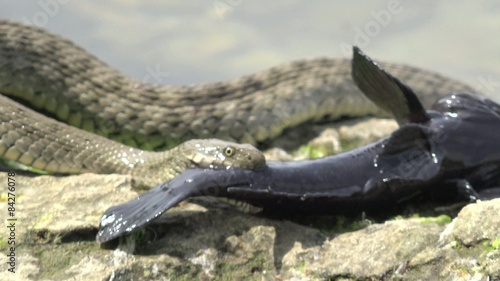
{"x": 183, "y": 42}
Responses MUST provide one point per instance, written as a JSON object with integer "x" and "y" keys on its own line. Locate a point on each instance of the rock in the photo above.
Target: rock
{"x": 354, "y": 133}
{"x": 470, "y": 226}
{"x": 277, "y": 154}
{"x": 327, "y": 143}
{"x": 50, "y": 206}
{"x": 373, "y": 251}
{"x": 324, "y": 140}
{"x": 58, "y": 219}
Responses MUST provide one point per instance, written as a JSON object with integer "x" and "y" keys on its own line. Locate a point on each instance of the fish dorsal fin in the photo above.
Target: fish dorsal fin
{"x": 386, "y": 91}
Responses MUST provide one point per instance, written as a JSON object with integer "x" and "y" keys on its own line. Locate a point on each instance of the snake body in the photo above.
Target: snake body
{"x": 51, "y": 74}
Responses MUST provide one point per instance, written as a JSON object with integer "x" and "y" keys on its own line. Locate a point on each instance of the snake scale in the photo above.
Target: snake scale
{"x": 51, "y": 74}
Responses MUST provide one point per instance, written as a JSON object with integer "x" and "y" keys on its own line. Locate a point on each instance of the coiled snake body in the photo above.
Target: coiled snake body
{"x": 51, "y": 74}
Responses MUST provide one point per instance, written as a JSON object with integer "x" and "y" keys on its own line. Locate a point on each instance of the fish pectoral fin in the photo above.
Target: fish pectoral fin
{"x": 386, "y": 91}
{"x": 408, "y": 136}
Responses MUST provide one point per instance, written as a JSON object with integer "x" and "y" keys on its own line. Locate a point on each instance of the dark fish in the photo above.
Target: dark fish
{"x": 453, "y": 144}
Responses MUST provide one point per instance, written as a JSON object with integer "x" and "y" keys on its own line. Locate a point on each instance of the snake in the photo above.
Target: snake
{"x": 63, "y": 110}
{"x": 35, "y": 140}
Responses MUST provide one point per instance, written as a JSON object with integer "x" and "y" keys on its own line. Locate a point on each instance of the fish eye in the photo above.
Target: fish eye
{"x": 229, "y": 151}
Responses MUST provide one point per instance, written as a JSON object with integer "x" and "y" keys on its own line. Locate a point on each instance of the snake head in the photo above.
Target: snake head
{"x": 210, "y": 154}
{"x": 218, "y": 154}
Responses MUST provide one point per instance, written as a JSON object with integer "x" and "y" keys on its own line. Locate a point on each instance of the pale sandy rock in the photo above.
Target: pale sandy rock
{"x": 366, "y": 131}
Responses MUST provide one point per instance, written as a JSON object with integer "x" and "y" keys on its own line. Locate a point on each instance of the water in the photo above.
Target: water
{"x": 181, "y": 42}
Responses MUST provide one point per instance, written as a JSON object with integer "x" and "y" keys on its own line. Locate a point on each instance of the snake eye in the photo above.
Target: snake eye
{"x": 229, "y": 151}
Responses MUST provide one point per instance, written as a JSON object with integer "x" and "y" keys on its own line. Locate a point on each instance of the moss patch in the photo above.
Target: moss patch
{"x": 440, "y": 220}
{"x": 54, "y": 259}
{"x": 254, "y": 269}
{"x": 496, "y": 243}
{"x": 313, "y": 151}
